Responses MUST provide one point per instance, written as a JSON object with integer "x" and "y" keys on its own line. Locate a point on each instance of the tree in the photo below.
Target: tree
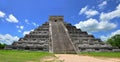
{"x": 114, "y": 41}
{"x": 2, "y": 46}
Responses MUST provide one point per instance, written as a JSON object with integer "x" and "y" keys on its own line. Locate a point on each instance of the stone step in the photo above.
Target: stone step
{"x": 61, "y": 41}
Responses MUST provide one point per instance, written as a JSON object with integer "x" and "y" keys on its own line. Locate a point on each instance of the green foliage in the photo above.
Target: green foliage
{"x": 114, "y": 41}
{"x": 102, "y": 54}
{"x": 22, "y": 56}
{"x": 2, "y": 46}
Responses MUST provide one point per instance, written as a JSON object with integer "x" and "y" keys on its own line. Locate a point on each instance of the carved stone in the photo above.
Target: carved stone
{"x": 58, "y": 36}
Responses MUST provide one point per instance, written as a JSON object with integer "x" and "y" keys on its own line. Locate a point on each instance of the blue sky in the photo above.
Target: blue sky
{"x": 98, "y": 17}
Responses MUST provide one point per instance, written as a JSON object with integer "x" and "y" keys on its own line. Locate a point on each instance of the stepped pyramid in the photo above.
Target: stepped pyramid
{"x": 57, "y": 36}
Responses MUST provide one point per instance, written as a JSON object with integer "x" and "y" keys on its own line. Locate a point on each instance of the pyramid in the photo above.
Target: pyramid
{"x": 57, "y": 36}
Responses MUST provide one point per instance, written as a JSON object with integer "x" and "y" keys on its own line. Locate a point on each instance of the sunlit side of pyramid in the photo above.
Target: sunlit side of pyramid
{"x": 57, "y": 36}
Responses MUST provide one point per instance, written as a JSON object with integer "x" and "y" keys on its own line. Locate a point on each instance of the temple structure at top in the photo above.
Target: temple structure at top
{"x": 57, "y": 36}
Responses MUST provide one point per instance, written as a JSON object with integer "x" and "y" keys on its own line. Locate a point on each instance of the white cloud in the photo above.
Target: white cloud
{"x": 92, "y": 25}
{"x": 88, "y": 12}
{"x": 105, "y": 25}
{"x": 27, "y": 32}
{"x": 20, "y": 27}
{"x": 83, "y": 10}
{"x": 19, "y": 31}
{"x": 88, "y": 23}
{"x": 110, "y": 15}
{"x": 17, "y": 26}
{"x": 12, "y": 19}
{"x": 8, "y": 39}
{"x": 26, "y": 21}
{"x": 114, "y": 33}
{"x": 104, "y": 38}
{"x": 35, "y": 24}
{"x": 2, "y": 14}
{"x": 102, "y": 5}
{"x": 118, "y": 7}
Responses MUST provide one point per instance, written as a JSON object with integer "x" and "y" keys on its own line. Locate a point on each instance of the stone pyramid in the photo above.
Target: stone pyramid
{"x": 57, "y": 36}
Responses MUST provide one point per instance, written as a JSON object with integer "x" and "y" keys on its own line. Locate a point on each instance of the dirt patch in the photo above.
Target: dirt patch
{"x": 80, "y": 58}
{"x": 50, "y": 59}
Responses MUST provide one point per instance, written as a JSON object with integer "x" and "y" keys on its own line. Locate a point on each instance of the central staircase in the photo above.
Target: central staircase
{"x": 61, "y": 41}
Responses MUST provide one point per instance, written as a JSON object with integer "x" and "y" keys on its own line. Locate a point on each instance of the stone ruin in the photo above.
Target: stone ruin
{"x": 57, "y": 36}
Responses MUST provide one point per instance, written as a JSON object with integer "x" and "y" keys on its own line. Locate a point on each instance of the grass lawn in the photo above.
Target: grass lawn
{"x": 22, "y": 56}
{"x": 102, "y": 54}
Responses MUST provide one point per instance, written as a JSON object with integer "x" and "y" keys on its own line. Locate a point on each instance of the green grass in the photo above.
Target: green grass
{"x": 22, "y": 56}
{"x": 102, "y": 54}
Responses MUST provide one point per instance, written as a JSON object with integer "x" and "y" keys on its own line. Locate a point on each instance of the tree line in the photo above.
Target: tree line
{"x": 2, "y": 46}
{"x": 114, "y": 41}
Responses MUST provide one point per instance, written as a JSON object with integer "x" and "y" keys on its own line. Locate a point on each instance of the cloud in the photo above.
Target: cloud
{"x": 83, "y": 10}
{"x": 2, "y": 14}
{"x": 26, "y": 21}
{"x": 104, "y": 38}
{"x": 27, "y": 32}
{"x": 8, "y": 39}
{"x": 102, "y": 5}
{"x": 85, "y": 25}
{"x": 20, "y": 27}
{"x": 12, "y": 19}
{"x": 115, "y": 32}
{"x": 110, "y": 15}
{"x": 17, "y": 26}
{"x": 103, "y": 24}
{"x": 35, "y": 24}
{"x": 92, "y": 25}
{"x": 88, "y": 12}
{"x": 19, "y": 31}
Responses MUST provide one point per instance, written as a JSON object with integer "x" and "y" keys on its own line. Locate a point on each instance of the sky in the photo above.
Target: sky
{"x": 98, "y": 17}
